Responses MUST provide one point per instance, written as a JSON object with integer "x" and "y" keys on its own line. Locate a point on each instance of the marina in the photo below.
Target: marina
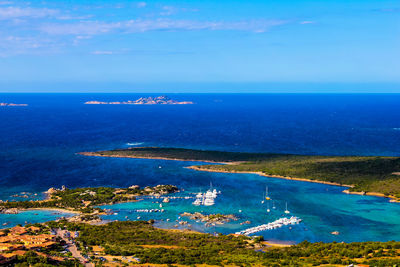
{"x": 207, "y": 198}
{"x": 270, "y": 226}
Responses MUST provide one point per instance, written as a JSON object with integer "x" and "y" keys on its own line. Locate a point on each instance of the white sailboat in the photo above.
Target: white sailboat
{"x": 268, "y": 210}
{"x": 273, "y": 205}
{"x": 287, "y": 211}
{"x": 262, "y": 201}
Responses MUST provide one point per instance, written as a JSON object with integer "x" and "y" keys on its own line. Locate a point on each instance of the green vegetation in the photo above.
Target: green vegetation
{"x": 180, "y": 154}
{"x": 85, "y": 199}
{"x": 32, "y": 259}
{"x": 157, "y": 246}
{"x": 365, "y": 174}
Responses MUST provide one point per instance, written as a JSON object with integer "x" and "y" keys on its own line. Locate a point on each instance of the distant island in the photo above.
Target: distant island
{"x": 12, "y": 105}
{"x": 159, "y": 100}
{"x": 378, "y": 176}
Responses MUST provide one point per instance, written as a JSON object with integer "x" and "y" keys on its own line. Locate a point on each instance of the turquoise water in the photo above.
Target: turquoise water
{"x": 38, "y": 146}
{"x": 323, "y": 208}
{"x": 30, "y": 216}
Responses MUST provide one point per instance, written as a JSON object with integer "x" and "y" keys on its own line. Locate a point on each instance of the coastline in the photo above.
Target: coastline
{"x": 267, "y": 175}
{"x": 393, "y": 199}
{"x": 95, "y": 154}
{"x": 54, "y": 209}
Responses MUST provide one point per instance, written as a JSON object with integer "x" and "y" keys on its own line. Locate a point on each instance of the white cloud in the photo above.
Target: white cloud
{"x": 17, "y": 12}
{"x": 15, "y": 45}
{"x": 81, "y": 28}
{"x": 307, "y": 22}
{"x": 141, "y": 4}
{"x": 168, "y": 10}
{"x": 102, "y": 52}
{"x": 133, "y": 26}
{"x": 171, "y": 10}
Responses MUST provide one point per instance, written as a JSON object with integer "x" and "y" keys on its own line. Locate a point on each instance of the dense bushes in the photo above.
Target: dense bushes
{"x": 152, "y": 245}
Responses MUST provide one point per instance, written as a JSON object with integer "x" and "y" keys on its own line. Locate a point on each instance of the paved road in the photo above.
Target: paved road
{"x": 73, "y": 249}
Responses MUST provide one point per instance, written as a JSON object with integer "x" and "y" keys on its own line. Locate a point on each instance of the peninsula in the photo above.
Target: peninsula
{"x": 84, "y": 201}
{"x": 159, "y": 100}
{"x": 371, "y": 175}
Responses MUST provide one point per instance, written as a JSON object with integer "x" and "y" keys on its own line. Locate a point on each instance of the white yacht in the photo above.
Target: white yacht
{"x": 197, "y": 202}
{"x": 209, "y": 201}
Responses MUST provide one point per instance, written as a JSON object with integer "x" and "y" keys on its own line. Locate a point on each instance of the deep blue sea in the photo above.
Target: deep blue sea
{"x": 38, "y": 146}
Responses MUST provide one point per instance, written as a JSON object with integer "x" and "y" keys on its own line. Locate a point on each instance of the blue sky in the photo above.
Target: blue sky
{"x": 200, "y": 46}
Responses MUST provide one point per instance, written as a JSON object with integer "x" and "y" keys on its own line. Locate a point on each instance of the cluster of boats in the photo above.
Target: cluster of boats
{"x": 267, "y": 198}
{"x": 207, "y": 198}
{"x": 270, "y": 226}
{"x": 149, "y": 210}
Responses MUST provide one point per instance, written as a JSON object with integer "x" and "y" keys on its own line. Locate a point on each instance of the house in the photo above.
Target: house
{"x": 6, "y": 258}
{"x": 18, "y": 230}
{"x": 10, "y": 247}
{"x": 34, "y": 229}
{"x": 37, "y": 239}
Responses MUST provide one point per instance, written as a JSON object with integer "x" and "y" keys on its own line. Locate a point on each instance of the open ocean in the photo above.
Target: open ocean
{"x": 38, "y": 146}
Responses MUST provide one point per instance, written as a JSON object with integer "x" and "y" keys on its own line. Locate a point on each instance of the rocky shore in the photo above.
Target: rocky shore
{"x": 211, "y": 218}
{"x": 84, "y": 201}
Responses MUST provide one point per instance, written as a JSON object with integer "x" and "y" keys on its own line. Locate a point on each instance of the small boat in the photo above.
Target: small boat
{"x": 240, "y": 210}
{"x": 197, "y": 202}
{"x": 268, "y": 210}
{"x": 273, "y": 205}
{"x": 266, "y": 194}
{"x": 287, "y": 211}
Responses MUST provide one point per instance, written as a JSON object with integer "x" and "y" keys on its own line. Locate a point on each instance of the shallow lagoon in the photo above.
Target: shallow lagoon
{"x": 30, "y": 216}
{"x": 323, "y": 208}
